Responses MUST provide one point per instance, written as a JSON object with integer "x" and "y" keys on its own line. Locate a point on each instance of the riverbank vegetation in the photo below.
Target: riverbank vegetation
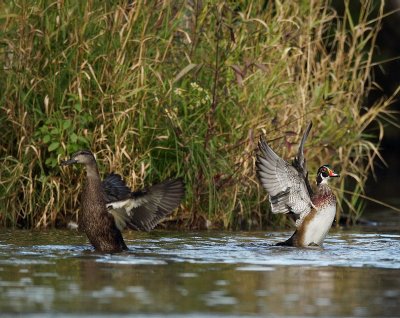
{"x": 158, "y": 89}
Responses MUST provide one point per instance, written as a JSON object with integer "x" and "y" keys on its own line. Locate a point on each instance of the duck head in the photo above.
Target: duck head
{"x": 83, "y": 156}
{"x": 325, "y": 173}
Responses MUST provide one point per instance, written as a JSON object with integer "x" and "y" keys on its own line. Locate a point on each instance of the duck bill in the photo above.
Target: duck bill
{"x": 333, "y": 174}
{"x": 68, "y": 162}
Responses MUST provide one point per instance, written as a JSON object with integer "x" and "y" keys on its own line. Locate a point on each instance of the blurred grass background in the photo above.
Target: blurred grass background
{"x": 158, "y": 89}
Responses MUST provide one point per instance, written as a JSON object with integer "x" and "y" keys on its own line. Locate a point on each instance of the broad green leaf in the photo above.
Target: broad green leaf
{"x": 53, "y": 146}
{"x": 66, "y": 124}
{"x": 83, "y": 140}
{"x": 46, "y": 139}
{"x": 78, "y": 107}
{"x": 73, "y": 138}
{"x": 55, "y": 131}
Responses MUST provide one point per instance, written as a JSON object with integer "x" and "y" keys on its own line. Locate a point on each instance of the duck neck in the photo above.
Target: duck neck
{"x": 323, "y": 188}
{"x": 92, "y": 172}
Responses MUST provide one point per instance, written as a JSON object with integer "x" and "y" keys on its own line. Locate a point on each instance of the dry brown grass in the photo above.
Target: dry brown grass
{"x": 165, "y": 89}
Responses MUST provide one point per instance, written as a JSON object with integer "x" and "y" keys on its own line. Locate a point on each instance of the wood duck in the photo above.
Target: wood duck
{"x": 290, "y": 191}
{"x": 109, "y": 206}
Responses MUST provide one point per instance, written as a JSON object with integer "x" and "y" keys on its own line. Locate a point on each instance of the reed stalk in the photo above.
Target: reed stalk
{"x": 158, "y": 89}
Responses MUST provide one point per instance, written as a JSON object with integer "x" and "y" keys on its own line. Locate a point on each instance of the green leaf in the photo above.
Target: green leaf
{"x": 55, "y": 131}
{"x": 86, "y": 118}
{"x": 78, "y": 107}
{"x": 53, "y": 146}
{"x": 73, "y": 138}
{"x": 46, "y": 139}
{"x": 60, "y": 151}
{"x": 66, "y": 124}
{"x": 71, "y": 148}
{"x": 51, "y": 162}
{"x": 44, "y": 129}
{"x": 83, "y": 140}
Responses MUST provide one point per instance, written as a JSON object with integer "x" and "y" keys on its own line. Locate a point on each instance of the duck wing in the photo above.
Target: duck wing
{"x": 144, "y": 209}
{"x": 299, "y": 161}
{"x": 285, "y": 185}
{"x": 115, "y": 188}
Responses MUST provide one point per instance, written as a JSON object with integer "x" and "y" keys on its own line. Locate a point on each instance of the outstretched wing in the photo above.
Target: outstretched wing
{"x": 287, "y": 189}
{"x": 299, "y": 161}
{"x": 144, "y": 209}
{"x": 115, "y": 188}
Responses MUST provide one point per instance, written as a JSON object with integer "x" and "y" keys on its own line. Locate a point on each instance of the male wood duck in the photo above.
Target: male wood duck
{"x": 290, "y": 191}
{"x": 109, "y": 206}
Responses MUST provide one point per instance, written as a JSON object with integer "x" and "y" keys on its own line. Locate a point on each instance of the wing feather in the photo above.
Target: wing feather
{"x": 300, "y": 162}
{"x": 287, "y": 189}
{"x": 115, "y": 188}
{"x": 144, "y": 209}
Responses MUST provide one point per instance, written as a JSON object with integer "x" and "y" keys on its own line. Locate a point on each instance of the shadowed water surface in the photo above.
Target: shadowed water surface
{"x": 205, "y": 274}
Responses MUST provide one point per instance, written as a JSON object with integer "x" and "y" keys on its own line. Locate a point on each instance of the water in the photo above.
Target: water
{"x": 203, "y": 274}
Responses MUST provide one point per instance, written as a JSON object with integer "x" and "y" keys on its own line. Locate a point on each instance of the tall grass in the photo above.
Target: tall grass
{"x": 163, "y": 88}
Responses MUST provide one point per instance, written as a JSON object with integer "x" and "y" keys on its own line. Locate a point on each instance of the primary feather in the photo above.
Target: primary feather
{"x": 144, "y": 209}
{"x": 285, "y": 183}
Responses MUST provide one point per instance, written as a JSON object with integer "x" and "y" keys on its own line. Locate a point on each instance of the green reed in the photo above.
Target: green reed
{"x": 163, "y": 88}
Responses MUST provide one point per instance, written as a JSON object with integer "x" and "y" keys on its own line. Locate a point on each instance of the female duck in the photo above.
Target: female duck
{"x": 109, "y": 206}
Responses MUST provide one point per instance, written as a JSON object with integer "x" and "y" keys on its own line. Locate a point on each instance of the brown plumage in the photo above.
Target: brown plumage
{"x": 109, "y": 206}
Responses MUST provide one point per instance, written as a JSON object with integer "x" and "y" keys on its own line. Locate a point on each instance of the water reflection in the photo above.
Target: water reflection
{"x": 201, "y": 275}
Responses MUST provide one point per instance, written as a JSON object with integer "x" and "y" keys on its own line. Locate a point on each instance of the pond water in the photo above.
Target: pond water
{"x": 200, "y": 274}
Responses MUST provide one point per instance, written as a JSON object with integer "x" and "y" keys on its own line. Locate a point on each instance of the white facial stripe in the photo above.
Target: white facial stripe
{"x": 324, "y": 180}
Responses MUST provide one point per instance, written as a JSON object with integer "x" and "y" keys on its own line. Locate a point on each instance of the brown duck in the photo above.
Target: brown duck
{"x": 290, "y": 192}
{"x": 109, "y": 206}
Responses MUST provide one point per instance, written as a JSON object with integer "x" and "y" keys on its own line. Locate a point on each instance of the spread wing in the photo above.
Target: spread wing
{"x": 143, "y": 210}
{"x": 285, "y": 185}
{"x": 115, "y": 188}
{"x": 299, "y": 161}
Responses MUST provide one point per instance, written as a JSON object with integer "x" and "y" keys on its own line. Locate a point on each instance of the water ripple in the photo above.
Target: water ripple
{"x": 378, "y": 250}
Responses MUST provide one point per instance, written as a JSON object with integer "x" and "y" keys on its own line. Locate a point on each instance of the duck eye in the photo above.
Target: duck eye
{"x": 324, "y": 172}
